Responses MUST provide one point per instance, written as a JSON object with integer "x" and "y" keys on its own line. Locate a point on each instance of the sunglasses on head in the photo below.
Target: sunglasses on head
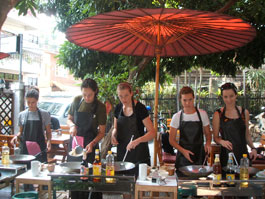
{"x": 227, "y": 86}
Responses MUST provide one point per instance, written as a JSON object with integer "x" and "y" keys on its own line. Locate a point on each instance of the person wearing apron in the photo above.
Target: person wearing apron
{"x": 193, "y": 124}
{"x": 87, "y": 119}
{"x": 130, "y": 119}
{"x": 32, "y": 124}
{"x": 230, "y": 127}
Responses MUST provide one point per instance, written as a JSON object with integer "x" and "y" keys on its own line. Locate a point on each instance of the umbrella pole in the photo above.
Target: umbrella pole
{"x": 157, "y": 142}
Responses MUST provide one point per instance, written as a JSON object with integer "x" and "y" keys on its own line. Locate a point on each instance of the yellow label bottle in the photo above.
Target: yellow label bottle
{"x": 97, "y": 167}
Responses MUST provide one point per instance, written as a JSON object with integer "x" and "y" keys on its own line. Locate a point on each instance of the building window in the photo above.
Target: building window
{"x": 60, "y": 71}
{"x": 33, "y": 81}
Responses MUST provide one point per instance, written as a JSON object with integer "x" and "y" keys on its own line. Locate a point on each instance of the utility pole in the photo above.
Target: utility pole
{"x": 21, "y": 83}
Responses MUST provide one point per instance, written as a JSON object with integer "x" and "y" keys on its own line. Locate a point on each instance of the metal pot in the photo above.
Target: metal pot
{"x": 194, "y": 170}
{"x": 72, "y": 167}
{"x": 21, "y": 158}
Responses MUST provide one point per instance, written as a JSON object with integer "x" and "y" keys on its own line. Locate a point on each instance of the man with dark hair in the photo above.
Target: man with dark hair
{"x": 193, "y": 125}
{"x": 33, "y": 123}
{"x": 87, "y": 121}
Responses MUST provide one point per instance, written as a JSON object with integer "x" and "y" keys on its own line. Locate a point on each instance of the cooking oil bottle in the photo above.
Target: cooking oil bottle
{"x": 110, "y": 169}
{"x": 97, "y": 167}
{"x": 244, "y": 175}
{"x": 5, "y": 154}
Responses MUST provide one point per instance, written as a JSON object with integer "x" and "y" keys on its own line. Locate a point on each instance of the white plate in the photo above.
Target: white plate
{"x": 260, "y": 174}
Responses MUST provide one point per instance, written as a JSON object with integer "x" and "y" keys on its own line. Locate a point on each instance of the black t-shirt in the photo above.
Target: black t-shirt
{"x": 141, "y": 114}
{"x": 55, "y": 124}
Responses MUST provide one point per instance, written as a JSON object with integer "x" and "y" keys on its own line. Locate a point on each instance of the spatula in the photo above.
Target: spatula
{"x": 203, "y": 169}
{"x": 127, "y": 150}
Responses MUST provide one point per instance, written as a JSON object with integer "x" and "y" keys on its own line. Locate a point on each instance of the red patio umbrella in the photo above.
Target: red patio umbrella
{"x": 161, "y": 32}
{"x": 3, "y": 55}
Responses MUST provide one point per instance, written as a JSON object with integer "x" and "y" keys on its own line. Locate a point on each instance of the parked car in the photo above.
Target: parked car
{"x": 58, "y": 109}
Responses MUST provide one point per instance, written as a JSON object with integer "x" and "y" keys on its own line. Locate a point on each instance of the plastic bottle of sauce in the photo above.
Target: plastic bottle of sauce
{"x": 5, "y": 154}
{"x": 110, "y": 169}
{"x": 244, "y": 175}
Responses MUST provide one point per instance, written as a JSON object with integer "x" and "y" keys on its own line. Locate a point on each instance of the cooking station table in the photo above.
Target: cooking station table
{"x": 256, "y": 187}
{"x": 145, "y": 186}
{"x": 57, "y": 140}
{"x": 72, "y": 182}
{"x": 41, "y": 179}
{"x": 8, "y": 174}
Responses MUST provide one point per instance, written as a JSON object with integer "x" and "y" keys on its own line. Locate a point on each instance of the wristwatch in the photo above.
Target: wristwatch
{"x": 72, "y": 125}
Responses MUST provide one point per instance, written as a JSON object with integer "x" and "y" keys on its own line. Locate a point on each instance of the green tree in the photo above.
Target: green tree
{"x": 256, "y": 79}
{"x": 22, "y": 5}
{"x": 82, "y": 61}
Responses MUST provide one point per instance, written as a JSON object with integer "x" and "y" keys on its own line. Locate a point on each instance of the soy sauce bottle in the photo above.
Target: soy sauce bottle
{"x": 84, "y": 170}
{"x": 230, "y": 172}
{"x": 217, "y": 171}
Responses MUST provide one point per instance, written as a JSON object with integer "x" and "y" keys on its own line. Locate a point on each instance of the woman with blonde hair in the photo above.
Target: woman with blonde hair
{"x": 131, "y": 117}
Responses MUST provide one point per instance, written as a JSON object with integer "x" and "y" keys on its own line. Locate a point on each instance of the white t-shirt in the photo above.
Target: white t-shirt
{"x": 190, "y": 117}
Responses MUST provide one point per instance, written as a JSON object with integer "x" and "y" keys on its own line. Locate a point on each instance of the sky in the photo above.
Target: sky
{"x": 44, "y": 26}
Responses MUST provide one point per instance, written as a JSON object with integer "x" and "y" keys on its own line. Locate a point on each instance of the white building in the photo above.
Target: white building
{"x": 40, "y": 46}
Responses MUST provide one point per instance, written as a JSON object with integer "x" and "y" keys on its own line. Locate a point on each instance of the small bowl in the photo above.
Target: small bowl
{"x": 51, "y": 167}
{"x": 170, "y": 170}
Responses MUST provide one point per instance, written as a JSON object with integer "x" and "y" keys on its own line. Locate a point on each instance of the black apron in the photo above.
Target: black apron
{"x": 191, "y": 138}
{"x": 84, "y": 123}
{"x": 33, "y": 131}
{"x": 233, "y": 130}
{"x": 126, "y": 127}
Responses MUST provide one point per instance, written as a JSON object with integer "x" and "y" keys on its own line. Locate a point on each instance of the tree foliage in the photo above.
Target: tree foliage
{"x": 81, "y": 61}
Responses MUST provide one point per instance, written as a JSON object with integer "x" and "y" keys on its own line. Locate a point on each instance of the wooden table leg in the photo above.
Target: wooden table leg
{"x": 65, "y": 146}
{"x": 136, "y": 192}
{"x": 175, "y": 193}
{"x": 49, "y": 191}
{"x": 17, "y": 186}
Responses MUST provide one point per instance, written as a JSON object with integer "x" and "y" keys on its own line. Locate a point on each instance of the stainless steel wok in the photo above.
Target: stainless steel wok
{"x": 72, "y": 167}
{"x": 120, "y": 166}
{"x": 194, "y": 170}
{"x": 123, "y": 166}
{"x": 21, "y": 158}
{"x": 251, "y": 170}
